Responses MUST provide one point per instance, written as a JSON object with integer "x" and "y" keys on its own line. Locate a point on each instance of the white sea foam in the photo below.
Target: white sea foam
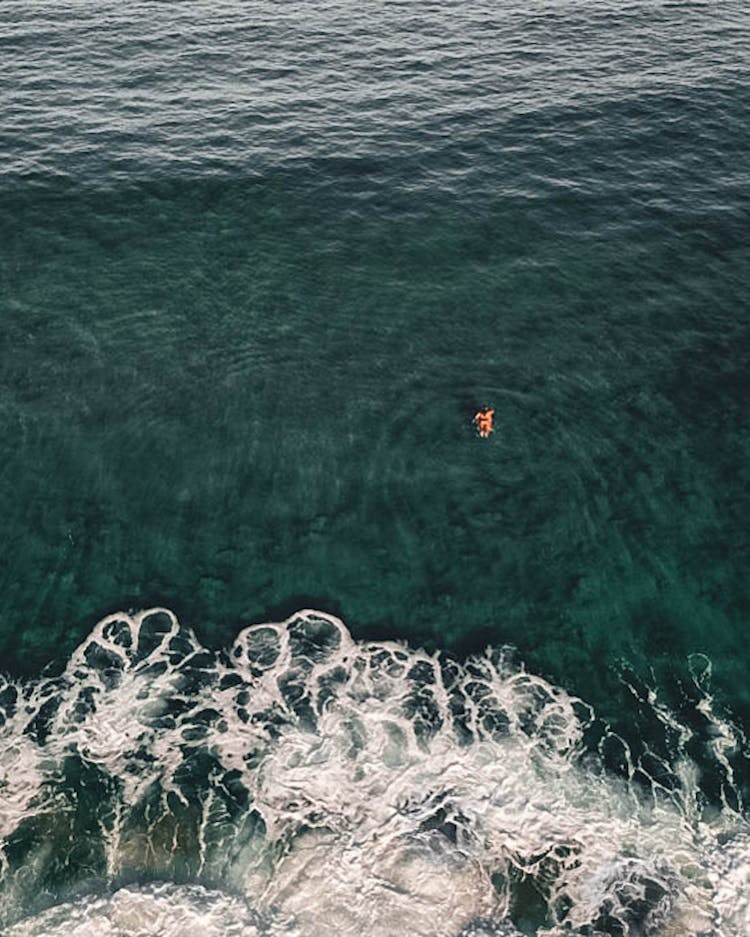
{"x": 332, "y": 786}
{"x": 156, "y": 911}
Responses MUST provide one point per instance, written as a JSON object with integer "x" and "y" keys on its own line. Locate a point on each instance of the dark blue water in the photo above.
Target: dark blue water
{"x": 259, "y": 267}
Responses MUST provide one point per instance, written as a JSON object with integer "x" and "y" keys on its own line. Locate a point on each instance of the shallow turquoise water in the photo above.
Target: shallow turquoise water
{"x": 258, "y": 269}
{"x": 225, "y": 396}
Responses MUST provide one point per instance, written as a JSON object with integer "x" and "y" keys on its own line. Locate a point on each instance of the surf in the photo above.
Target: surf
{"x": 314, "y": 782}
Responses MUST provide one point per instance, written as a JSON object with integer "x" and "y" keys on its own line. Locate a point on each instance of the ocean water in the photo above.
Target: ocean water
{"x": 287, "y": 648}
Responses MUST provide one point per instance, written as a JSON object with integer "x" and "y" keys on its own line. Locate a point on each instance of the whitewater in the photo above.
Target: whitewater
{"x": 305, "y": 783}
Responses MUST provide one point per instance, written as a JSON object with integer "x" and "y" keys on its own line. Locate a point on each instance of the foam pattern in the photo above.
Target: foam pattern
{"x": 305, "y": 783}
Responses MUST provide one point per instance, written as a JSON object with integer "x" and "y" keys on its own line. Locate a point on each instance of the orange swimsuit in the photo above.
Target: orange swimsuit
{"x": 483, "y": 419}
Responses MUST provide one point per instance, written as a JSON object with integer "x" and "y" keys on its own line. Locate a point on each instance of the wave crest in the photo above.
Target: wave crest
{"x": 337, "y": 785}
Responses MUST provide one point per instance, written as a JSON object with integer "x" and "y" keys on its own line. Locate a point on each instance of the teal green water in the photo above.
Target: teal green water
{"x": 241, "y": 397}
{"x": 259, "y": 267}
{"x": 258, "y": 272}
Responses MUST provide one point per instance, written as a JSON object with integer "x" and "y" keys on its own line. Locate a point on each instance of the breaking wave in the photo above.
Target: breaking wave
{"x": 304, "y": 783}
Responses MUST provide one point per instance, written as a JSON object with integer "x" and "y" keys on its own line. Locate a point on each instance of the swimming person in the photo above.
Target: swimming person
{"x": 483, "y": 420}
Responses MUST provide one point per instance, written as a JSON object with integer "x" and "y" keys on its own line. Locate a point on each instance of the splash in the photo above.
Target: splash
{"x": 306, "y": 783}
